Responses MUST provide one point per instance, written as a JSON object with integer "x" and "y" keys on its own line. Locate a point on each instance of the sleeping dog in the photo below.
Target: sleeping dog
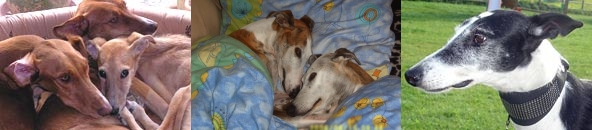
{"x": 330, "y": 79}
{"x": 283, "y": 43}
{"x": 510, "y": 52}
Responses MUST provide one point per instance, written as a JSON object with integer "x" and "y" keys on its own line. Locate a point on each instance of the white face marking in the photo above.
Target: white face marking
{"x": 329, "y": 84}
{"x": 461, "y": 29}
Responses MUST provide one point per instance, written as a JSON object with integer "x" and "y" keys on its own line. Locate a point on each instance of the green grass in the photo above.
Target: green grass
{"x": 426, "y": 27}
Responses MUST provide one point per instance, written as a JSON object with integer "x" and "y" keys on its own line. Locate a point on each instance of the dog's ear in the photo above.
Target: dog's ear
{"x": 549, "y": 25}
{"x": 313, "y": 58}
{"x": 22, "y": 70}
{"x": 342, "y": 55}
{"x": 93, "y": 49}
{"x": 134, "y": 36}
{"x": 308, "y": 21}
{"x": 140, "y": 44}
{"x": 284, "y": 18}
{"x": 78, "y": 44}
{"x": 74, "y": 26}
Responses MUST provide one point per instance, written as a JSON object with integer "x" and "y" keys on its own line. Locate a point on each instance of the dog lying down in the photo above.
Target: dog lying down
{"x": 320, "y": 94}
{"x": 162, "y": 62}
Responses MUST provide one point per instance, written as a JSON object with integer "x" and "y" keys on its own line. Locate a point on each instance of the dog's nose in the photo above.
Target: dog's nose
{"x": 105, "y": 111}
{"x": 291, "y": 110}
{"x": 150, "y": 27}
{"x": 414, "y": 76}
{"x": 294, "y": 92}
{"x": 115, "y": 111}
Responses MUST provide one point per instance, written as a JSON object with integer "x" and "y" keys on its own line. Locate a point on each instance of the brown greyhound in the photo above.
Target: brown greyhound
{"x": 152, "y": 59}
{"x": 52, "y": 65}
{"x": 104, "y": 18}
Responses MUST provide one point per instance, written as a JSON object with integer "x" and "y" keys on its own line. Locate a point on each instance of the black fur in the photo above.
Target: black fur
{"x": 509, "y": 39}
{"x": 576, "y": 112}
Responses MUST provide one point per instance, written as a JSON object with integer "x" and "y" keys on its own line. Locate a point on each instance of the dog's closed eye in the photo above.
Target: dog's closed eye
{"x": 298, "y": 52}
{"x": 312, "y": 76}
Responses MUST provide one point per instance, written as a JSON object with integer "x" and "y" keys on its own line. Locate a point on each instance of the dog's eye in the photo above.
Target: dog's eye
{"x": 113, "y": 20}
{"x": 65, "y": 78}
{"x": 102, "y": 74}
{"x": 124, "y": 73}
{"x": 312, "y": 76}
{"x": 479, "y": 39}
{"x": 298, "y": 52}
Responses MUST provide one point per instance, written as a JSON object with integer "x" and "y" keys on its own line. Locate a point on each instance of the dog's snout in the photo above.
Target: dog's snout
{"x": 291, "y": 110}
{"x": 114, "y": 111}
{"x": 414, "y": 76}
{"x": 150, "y": 26}
{"x": 105, "y": 111}
{"x": 294, "y": 92}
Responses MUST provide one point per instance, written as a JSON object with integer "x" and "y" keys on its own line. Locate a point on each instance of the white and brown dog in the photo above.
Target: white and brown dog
{"x": 329, "y": 80}
{"x": 283, "y": 43}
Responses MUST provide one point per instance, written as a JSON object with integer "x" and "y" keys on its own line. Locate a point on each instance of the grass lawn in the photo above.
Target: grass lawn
{"x": 426, "y": 27}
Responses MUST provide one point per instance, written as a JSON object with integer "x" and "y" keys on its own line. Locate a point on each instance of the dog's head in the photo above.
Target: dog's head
{"x": 294, "y": 43}
{"x": 117, "y": 65}
{"x": 106, "y": 19}
{"x": 55, "y": 66}
{"x": 492, "y": 48}
{"x": 326, "y": 82}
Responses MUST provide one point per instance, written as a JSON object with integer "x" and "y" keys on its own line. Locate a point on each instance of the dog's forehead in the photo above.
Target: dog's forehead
{"x": 324, "y": 61}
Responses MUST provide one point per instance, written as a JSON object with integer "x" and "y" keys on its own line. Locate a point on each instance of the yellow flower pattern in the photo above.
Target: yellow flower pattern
{"x": 338, "y": 113}
{"x": 377, "y": 102}
{"x": 379, "y": 121}
{"x": 328, "y": 6}
{"x": 218, "y": 122}
{"x": 362, "y": 103}
{"x": 353, "y": 120}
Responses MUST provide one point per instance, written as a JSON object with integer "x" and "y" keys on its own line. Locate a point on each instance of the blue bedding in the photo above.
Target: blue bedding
{"x": 231, "y": 90}
{"x": 361, "y": 26}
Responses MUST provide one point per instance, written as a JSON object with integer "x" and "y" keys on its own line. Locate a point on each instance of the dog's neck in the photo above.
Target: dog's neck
{"x": 264, "y": 32}
{"x": 357, "y": 78}
{"x": 541, "y": 69}
{"x": 535, "y": 104}
{"x": 527, "y": 108}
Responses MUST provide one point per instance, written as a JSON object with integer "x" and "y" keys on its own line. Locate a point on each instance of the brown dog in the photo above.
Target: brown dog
{"x": 104, "y": 18}
{"x": 52, "y": 65}
{"x": 162, "y": 62}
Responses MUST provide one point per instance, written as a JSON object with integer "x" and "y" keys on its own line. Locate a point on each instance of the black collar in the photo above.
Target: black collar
{"x": 527, "y": 108}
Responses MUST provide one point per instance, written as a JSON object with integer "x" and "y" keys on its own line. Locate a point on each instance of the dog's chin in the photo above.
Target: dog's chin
{"x": 463, "y": 84}
{"x": 436, "y": 90}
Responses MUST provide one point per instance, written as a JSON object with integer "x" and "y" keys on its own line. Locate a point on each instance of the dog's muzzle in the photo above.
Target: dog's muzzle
{"x": 414, "y": 76}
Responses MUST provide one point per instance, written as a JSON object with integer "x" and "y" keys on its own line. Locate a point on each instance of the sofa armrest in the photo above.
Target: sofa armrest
{"x": 206, "y": 18}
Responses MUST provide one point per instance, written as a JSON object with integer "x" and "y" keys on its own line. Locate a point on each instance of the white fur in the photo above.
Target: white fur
{"x": 264, "y": 32}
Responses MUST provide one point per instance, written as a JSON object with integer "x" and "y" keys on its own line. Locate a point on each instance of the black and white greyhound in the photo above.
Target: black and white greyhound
{"x": 510, "y": 52}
